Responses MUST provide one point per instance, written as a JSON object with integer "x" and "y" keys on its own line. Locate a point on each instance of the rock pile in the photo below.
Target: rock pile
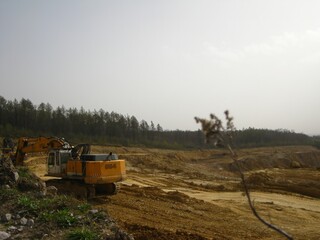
{"x": 17, "y": 225}
{"x": 8, "y": 173}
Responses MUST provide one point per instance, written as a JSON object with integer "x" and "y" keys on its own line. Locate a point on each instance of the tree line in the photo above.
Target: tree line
{"x": 23, "y": 118}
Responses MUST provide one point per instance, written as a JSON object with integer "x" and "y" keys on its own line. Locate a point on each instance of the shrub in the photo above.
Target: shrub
{"x": 82, "y": 234}
{"x": 29, "y": 204}
{"x": 8, "y": 193}
{"x": 84, "y": 207}
{"x": 63, "y": 218}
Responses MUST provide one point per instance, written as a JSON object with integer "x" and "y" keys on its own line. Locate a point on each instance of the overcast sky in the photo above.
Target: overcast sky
{"x": 169, "y": 60}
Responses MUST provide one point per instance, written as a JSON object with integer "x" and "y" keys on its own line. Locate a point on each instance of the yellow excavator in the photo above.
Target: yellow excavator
{"x": 80, "y": 172}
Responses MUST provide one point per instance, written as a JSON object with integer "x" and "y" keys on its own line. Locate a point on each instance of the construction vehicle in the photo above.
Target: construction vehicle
{"x": 79, "y": 171}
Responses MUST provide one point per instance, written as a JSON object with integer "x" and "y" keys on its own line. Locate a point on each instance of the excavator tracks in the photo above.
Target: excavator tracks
{"x": 82, "y": 190}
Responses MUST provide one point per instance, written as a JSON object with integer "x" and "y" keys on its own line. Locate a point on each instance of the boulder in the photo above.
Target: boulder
{"x": 7, "y": 217}
{"x": 12, "y": 229}
{"x": 51, "y": 191}
{"x": 93, "y": 211}
{"x": 23, "y": 221}
{"x": 30, "y": 222}
{"x": 4, "y": 235}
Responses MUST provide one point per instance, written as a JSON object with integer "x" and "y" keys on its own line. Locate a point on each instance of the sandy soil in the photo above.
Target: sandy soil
{"x": 198, "y": 194}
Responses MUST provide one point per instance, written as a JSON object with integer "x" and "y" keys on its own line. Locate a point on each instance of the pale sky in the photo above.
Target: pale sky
{"x": 167, "y": 60}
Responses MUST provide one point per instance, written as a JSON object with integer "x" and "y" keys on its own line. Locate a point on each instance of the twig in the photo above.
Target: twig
{"x": 213, "y": 129}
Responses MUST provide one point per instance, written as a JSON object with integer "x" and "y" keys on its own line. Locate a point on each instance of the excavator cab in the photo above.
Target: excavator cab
{"x": 57, "y": 162}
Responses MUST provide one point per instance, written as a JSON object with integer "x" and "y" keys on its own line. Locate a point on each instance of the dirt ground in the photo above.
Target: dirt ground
{"x": 198, "y": 194}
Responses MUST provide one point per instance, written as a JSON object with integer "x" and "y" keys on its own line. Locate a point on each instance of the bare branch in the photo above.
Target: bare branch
{"x": 214, "y": 131}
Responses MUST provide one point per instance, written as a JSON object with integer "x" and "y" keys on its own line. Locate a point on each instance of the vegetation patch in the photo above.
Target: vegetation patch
{"x": 82, "y": 234}
{"x": 63, "y": 218}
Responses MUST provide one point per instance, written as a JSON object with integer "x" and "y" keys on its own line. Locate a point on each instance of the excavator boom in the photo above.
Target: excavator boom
{"x": 39, "y": 144}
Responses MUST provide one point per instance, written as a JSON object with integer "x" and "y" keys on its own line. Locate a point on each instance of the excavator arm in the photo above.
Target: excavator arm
{"x": 39, "y": 144}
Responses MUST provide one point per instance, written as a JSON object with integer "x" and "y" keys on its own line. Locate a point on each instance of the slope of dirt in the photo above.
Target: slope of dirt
{"x": 198, "y": 194}
{"x": 210, "y": 214}
{"x": 174, "y": 215}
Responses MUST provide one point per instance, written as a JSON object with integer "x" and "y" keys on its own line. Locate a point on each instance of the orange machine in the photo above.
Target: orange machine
{"x": 97, "y": 172}
{"x": 77, "y": 168}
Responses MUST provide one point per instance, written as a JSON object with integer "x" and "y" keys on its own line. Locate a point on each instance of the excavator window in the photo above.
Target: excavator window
{"x": 51, "y": 159}
{"x": 57, "y": 161}
{"x": 65, "y": 156}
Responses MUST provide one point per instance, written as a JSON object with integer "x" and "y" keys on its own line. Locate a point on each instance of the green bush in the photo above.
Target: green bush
{"x": 82, "y": 234}
{"x": 8, "y": 194}
{"x": 84, "y": 207}
{"x": 63, "y": 218}
{"x": 29, "y": 204}
{"x": 24, "y": 173}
